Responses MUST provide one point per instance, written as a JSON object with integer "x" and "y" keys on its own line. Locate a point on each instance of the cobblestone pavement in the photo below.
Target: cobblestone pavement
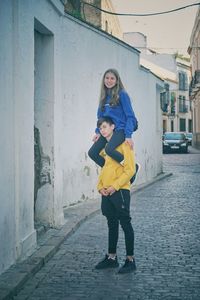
{"x": 166, "y": 220}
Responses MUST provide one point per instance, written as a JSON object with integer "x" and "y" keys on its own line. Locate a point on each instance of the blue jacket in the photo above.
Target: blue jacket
{"x": 122, "y": 114}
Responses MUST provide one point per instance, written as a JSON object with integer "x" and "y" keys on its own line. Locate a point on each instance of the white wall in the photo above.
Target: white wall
{"x": 81, "y": 89}
{"x": 7, "y": 180}
{"x": 148, "y": 110}
{"x": 65, "y": 115}
{"x": 16, "y": 152}
{"x": 136, "y": 39}
{"x": 17, "y": 232}
{"x": 165, "y": 61}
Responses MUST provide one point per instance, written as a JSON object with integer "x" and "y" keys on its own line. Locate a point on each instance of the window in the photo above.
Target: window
{"x": 182, "y": 125}
{"x": 183, "y": 81}
{"x": 164, "y": 98}
{"x": 173, "y": 100}
{"x": 174, "y": 136}
{"x": 189, "y": 125}
{"x": 167, "y": 93}
{"x": 172, "y": 125}
{"x": 183, "y": 108}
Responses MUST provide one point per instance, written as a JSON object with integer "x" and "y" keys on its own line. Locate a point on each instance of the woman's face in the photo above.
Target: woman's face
{"x": 110, "y": 80}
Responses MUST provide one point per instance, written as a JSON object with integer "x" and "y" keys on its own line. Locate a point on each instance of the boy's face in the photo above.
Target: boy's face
{"x": 106, "y": 130}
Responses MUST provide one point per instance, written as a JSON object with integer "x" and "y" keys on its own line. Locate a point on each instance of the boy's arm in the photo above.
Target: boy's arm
{"x": 128, "y": 169}
{"x": 99, "y": 182}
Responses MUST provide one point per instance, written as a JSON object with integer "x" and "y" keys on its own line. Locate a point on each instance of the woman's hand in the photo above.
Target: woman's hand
{"x": 96, "y": 137}
{"x": 129, "y": 141}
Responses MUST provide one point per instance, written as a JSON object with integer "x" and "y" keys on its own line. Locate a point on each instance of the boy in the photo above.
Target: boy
{"x": 114, "y": 186}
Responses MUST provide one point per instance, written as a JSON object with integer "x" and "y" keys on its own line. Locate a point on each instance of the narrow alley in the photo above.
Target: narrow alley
{"x": 166, "y": 221}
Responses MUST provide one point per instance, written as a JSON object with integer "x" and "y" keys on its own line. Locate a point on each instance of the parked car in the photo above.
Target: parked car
{"x": 175, "y": 141}
{"x": 189, "y": 137}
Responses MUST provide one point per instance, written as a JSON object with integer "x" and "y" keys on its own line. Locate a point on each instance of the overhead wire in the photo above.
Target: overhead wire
{"x": 140, "y": 15}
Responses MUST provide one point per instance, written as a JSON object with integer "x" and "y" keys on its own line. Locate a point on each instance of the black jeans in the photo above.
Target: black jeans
{"x": 116, "y": 208}
{"x": 117, "y": 139}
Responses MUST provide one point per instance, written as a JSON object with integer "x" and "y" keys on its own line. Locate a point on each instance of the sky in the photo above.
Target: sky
{"x": 166, "y": 33}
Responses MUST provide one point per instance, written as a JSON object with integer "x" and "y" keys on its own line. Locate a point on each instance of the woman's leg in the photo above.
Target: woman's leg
{"x": 117, "y": 139}
{"x": 96, "y": 149}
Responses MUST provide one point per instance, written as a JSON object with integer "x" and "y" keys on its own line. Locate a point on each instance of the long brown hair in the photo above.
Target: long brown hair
{"x": 114, "y": 91}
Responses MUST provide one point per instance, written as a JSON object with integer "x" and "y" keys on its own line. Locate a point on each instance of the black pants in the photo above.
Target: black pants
{"x": 117, "y": 139}
{"x": 116, "y": 208}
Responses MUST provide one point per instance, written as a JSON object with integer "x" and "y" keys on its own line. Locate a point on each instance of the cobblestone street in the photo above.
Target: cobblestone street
{"x": 166, "y": 221}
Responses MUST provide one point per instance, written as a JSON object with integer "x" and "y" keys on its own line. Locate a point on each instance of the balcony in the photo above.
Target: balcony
{"x": 164, "y": 108}
{"x": 164, "y": 101}
{"x": 173, "y": 109}
{"x": 183, "y": 81}
{"x": 183, "y": 108}
{"x": 195, "y": 84}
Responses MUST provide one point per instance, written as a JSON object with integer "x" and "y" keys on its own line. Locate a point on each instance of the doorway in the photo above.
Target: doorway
{"x": 43, "y": 123}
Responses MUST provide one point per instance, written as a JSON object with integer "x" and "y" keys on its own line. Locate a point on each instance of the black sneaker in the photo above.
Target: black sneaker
{"x": 137, "y": 167}
{"x": 107, "y": 263}
{"x": 128, "y": 267}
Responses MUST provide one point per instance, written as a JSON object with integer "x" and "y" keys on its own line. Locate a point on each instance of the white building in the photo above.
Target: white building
{"x": 194, "y": 51}
{"x": 51, "y": 67}
{"x": 175, "y": 71}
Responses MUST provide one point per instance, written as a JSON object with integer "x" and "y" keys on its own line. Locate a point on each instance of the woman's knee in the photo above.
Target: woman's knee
{"x": 93, "y": 153}
{"x": 90, "y": 153}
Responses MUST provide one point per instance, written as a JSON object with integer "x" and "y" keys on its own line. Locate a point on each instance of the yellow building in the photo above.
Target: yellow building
{"x": 194, "y": 51}
{"x": 87, "y": 12}
{"x": 110, "y": 23}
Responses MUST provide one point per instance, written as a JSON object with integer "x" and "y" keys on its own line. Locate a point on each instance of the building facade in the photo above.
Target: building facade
{"x": 194, "y": 51}
{"x": 184, "y": 105}
{"x": 176, "y": 105}
{"x": 87, "y": 12}
{"x": 175, "y": 71}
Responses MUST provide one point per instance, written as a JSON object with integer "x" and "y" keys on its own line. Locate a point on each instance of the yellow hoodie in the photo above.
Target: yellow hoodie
{"x": 114, "y": 174}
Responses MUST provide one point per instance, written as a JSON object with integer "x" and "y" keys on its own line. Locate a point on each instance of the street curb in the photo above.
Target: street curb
{"x": 12, "y": 280}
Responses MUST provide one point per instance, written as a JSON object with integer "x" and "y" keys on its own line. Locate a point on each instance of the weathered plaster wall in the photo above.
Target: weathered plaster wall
{"x": 87, "y": 62}
{"x": 51, "y": 67}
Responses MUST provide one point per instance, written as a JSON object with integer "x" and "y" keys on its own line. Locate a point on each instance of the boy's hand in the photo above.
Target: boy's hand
{"x": 96, "y": 137}
{"x": 129, "y": 141}
{"x": 103, "y": 192}
{"x": 110, "y": 190}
